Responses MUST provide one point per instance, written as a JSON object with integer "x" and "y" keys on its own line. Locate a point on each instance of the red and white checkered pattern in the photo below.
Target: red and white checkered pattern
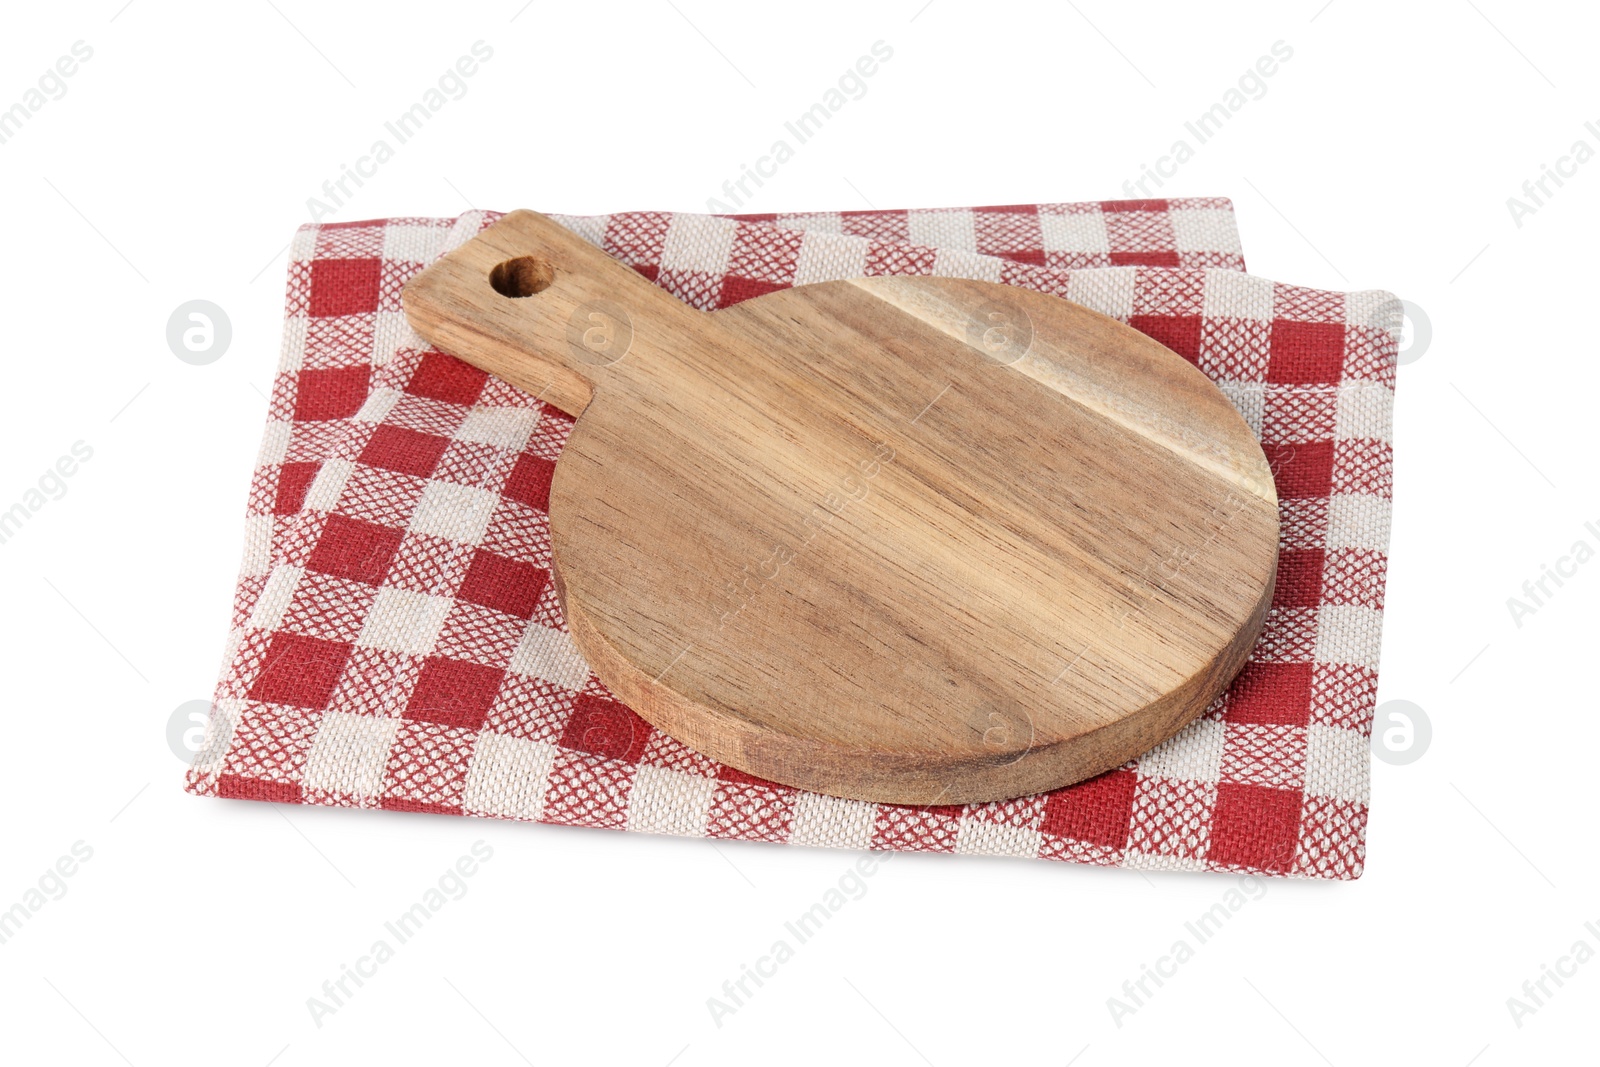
{"x": 397, "y": 642}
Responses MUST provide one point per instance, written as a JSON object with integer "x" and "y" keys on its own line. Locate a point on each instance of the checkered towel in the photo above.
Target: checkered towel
{"x": 397, "y": 643}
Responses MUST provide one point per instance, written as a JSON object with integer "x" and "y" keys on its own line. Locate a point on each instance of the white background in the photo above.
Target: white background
{"x": 177, "y": 166}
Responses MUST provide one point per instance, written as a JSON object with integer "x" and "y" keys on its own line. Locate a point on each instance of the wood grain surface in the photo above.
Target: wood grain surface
{"x": 917, "y": 540}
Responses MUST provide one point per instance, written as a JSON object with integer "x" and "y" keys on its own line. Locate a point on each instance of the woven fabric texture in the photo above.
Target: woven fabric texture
{"x": 396, "y": 641}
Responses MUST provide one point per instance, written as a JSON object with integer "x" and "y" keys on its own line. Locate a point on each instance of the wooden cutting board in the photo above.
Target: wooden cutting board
{"x": 917, "y": 540}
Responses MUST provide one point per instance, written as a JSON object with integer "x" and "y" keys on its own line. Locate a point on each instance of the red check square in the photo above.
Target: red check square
{"x": 453, "y": 692}
{"x": 442, "y": 377}
{"x": 1181, "y": 333}
{"x": 506, "y": 585}
{"x": 344, "y": 286}
{"x": 1302, "y": 470}
{"x": 1255, "y": 826}
{"x": 530, "y": 481}
{"x": 1271, "y": 694}
{"x": 1299, "y": 578}
{"x": 736, "y": 290}
{"x": 1145, "y": 259}
{"x": 606, "y": 728}
{"x": 351, "y": 548}
{"x": 1112, "y": 207}
{"x": 1095, "y": 811}
{"x": 300, "y": 671}
{"x": 1306, "y": 352}
{"x": 293, "y": 481}
{"x": 407, "y": 451}
{"x": 330, "y": 393}
{"x": 237, "y": 787}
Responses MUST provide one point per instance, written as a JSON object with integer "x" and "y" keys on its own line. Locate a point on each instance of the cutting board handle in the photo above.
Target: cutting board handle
{"x": 535, "y": 304}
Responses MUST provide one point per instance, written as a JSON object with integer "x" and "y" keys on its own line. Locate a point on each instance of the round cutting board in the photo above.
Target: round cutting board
{"x": 916, "y": 540}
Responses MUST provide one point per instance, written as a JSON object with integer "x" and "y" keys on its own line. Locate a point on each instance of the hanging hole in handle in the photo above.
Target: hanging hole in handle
{"x": 522, "y": 276}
